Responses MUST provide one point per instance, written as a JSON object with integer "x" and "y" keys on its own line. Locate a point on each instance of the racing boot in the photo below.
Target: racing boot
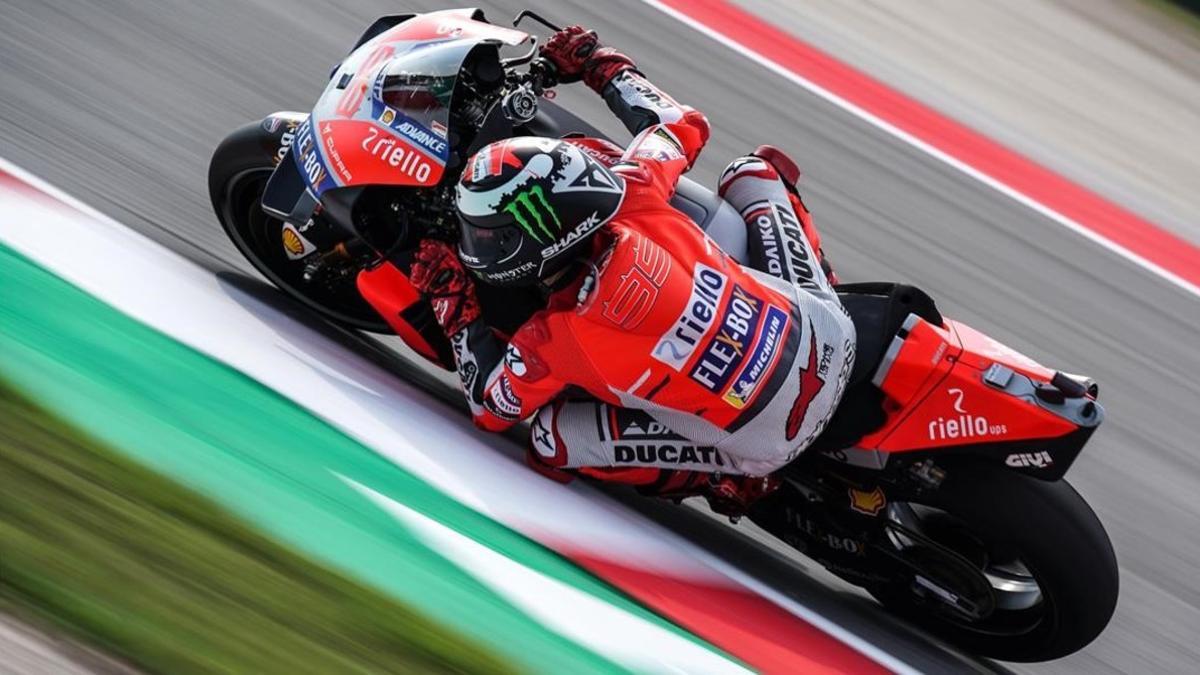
{"x": 673, "y": 484}
{"x": 728, "y": 495}
{"x": 732, "y": 496}
{"x": 782, "y": 167}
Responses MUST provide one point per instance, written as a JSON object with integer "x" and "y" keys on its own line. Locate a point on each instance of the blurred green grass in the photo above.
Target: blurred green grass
{"x": 1186, "y": 12}
{"x": 162, "y": 578}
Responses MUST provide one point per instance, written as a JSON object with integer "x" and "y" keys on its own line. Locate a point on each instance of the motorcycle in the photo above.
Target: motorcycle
{"x": 938, "y": 485}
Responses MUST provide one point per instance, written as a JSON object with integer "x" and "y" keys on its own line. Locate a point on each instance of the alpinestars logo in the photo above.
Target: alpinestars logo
{"x": 811, "y": 383}
{"x": 533, "y": 213}
{"x": 543, "y": 441}
{"x": 964, "y": 425}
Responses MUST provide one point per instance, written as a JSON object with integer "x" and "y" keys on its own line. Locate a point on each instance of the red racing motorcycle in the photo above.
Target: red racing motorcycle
{"x": 938, "y": 485}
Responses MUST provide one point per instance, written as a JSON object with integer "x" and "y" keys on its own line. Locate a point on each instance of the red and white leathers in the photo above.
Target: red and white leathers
{"x": 669, "y": 353}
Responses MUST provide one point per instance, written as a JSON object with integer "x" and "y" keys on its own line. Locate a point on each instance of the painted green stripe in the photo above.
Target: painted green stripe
{"x": 215, "y": 430}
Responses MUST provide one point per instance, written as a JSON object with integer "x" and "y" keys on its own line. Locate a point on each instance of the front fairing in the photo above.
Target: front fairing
{"x": 384, "y": 118}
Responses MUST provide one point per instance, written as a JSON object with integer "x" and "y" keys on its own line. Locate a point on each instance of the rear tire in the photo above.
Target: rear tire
{"x": 237, "y": 175}
{"x": 1057, "y": 537}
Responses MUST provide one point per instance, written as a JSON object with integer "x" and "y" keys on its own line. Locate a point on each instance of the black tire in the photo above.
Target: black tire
{"x": 1059, "y": 539}
{"x": 237, "y": 174}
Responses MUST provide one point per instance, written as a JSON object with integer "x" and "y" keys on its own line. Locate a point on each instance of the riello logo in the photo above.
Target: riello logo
{"x": 964, "y": 425}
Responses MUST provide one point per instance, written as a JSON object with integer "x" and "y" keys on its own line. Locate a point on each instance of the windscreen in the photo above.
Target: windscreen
{"x": 417, "y": 86}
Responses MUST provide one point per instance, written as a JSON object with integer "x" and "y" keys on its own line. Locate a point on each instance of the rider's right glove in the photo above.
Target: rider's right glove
{"x": 438, "y": 274}
{"x": 578, "y": 54}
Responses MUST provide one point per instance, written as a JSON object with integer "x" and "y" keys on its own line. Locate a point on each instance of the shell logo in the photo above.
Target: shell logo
{"x": 291, "y": 242}
{"x": 867, "y": 503}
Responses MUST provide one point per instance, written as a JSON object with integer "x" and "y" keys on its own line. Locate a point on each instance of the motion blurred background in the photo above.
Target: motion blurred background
{"x": 121, "y": 102}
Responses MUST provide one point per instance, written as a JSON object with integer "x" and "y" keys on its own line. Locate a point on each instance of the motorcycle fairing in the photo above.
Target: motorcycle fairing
{"x": 384, "y": 117}
{"x": 340, "y": 150}
{"x": 952, "y": 390}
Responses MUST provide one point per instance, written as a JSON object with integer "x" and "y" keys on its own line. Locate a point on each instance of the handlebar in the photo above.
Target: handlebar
{"x": 520, "y": 103}
{"x": 536, "y": 17}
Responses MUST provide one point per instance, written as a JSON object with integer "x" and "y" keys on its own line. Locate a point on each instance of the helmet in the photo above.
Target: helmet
{"x": 526, "y": 205}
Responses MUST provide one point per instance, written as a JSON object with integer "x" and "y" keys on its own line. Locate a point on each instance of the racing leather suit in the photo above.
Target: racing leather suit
{"x": 668, "y": 353}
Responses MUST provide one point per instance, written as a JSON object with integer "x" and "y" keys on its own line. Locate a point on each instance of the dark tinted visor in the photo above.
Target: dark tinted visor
{"x": 486, "y": 247}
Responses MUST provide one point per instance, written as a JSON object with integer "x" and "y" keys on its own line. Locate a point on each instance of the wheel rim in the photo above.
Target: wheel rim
{"x": 1020, "y": 604}
{"x": 256, "y": 236}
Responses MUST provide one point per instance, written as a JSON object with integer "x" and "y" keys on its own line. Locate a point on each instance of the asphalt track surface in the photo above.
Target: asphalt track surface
{"x": 121, "y": 102}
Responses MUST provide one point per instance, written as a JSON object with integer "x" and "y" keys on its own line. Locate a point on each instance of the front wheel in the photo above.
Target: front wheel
{"x": 237, "y": 175}
{"x": 1045, "y": 575}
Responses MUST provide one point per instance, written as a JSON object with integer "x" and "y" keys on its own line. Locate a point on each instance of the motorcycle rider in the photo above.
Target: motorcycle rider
{"x": 658, "y": 360}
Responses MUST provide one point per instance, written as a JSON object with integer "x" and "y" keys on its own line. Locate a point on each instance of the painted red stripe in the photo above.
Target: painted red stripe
{"x": 745, "y": 625}
{"x": 15, "y": 184}
{"x": 1088, "y": 209}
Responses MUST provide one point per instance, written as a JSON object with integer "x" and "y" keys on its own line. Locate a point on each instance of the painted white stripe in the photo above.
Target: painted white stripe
{"x": 924, "y": 147}
{"x": 630, "y": 640}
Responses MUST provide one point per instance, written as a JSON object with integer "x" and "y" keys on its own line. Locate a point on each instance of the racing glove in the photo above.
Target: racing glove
{"x": 439, "y": 276}
{"x": 578, "y": 55}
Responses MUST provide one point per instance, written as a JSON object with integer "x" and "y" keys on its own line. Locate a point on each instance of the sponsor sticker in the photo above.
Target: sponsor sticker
{"x": 761, "y": 359}
{"x": 666, "y": 453}
{"x": 581, "y": 230}
{"x": 867, "y": 503}
{"x": 637, "y": 91}
{"x": 964, "y": 424}
{"x": 389, "y": 150}
{"x": 726, "y": 349}
{"x": 1030, "y": 460}
{"x": 294, "y": 243}
{"x": 514, "y": 361}
{"x": 676, "y": 347}
{"x": 468, "y": 369}
{"x": 308, "y": 156}
{"x": 631, "y": 424}
{"x": 658, "y": 145}
{"x": 285, "y": 141}
{"x": 535, "y": 215}
{"x": 331, "y": 149}
{"x": 812, "y": 381}
{"x": 502, "y": 401}
{"x": 782, "y": 240}
{"x": 423, "y": 138}
{"x": 543, "y": 440}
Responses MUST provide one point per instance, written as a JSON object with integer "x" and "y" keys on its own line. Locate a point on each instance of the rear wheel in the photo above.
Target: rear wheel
{"x": 237, "y": 175}
{"x": 1013, "y": 568}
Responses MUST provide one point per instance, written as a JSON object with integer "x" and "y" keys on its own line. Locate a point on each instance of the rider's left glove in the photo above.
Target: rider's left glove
{"x": 439, "y": 275}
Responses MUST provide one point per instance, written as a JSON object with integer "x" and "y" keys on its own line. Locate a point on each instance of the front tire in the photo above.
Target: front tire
{"x": 237, "y": 175}
{"x": 1053, "y": 535}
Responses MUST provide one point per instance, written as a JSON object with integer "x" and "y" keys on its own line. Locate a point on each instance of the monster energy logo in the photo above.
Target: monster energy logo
{"x": 532, "y": 203}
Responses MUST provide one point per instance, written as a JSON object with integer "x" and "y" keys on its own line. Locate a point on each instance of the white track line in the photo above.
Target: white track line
{"x": 924, "y": 147}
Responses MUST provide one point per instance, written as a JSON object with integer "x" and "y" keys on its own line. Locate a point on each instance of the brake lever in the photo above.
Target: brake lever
{"x": 524, "y": 58}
